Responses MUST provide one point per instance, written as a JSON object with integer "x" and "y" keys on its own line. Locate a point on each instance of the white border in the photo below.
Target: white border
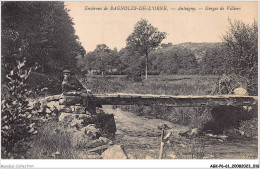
{"x": 184, "y": 163}
{"x": 123, "y": 163}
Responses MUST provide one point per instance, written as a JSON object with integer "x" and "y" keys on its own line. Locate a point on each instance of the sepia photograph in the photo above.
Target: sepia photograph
{"x": 129, "y": 80}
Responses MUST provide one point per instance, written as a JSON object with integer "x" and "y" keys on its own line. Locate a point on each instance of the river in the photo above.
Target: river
{"x": 140, "y": 138}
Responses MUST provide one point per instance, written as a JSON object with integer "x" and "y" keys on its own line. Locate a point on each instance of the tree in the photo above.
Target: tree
{"x": 144, "y": 39}
{"x": 241, "y": 47}
{"x": 43, "y": 31}
{"x": 102, "y": 59}
{"x": 33, "y": 34}
{"x": 212, "y": 62}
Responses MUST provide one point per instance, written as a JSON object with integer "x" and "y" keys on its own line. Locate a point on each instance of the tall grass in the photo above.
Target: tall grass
{"x": 156, "y": 84}
{"x": 53, "y": 141}
{"x": 161, "y": 85}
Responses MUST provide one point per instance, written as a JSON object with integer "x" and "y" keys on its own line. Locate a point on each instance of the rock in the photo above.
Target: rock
{"x": 84, "y": 116}
{"x": 77, "y": 123}
{"x": 35, "y": 132}
{"x": 240, "y": 91}
{"x": 223, "y": 137}
{"x": 32, "y": 125}
{"x": 53, "y": 104}
{"x": 80, "y": 110}
{"x": 220, "y": 140}
{"x": 92, "y": 131}
{"x": 241, "y": 132}
{"x": 94, "y": 144}
{"x": 29, "y": 116}
{"x": 87, "y": 119}
{"x": 106, "y": 140}
{"x": 100, "y": 111}
{"x": 64, "y": 116}
{"x": 91, "y": 127}
{"x": 68, "y": 110}
{"x": 99, "y": 149}
{"x": 5, "y": 127}
{"x": 57, "y": 153}
{"x": 193, "y": 132}
{"x": 54, "y": 109}
{"x": 114, "y": 152}
{"x": 31, "y": 130}
{"x": 48, "y": 110}
{"x": 73, "y": 119}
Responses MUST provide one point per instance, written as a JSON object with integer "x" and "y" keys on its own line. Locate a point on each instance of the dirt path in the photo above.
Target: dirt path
{"x": 139, "y": 135}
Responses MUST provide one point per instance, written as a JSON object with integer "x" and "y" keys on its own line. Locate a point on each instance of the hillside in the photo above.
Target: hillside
{"x": 198, "y": 49}
{"x": 184, "y": 58}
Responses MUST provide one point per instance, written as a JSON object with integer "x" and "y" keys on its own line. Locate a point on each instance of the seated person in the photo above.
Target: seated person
{"x": 70, "y": 83}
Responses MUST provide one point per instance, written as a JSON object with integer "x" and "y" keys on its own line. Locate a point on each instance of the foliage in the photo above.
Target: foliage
{"x": 16, "y": 114}
{"x": 144, "y": 39}
{"x": 185, "y": 58}
{"x": 52, "y": 137}
{"x": 241, "y": 46}
{"x": 102, "y": 60}
{"x": 212, "y": 62}
{"x": 36, "y": 37}
{"x": 249, "y": 128}
{"x": 43, "y": 32}
{"x": 104, "y": 84}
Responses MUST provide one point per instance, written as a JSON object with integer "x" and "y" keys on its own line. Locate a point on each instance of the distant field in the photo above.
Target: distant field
{"x": 156, "y": 84}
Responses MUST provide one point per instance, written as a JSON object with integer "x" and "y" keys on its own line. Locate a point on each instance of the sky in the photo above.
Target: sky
{"x": 112, "y": 27}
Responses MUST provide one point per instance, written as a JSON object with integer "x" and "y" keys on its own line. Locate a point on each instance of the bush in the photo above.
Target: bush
{"x": 249, "y": 128}
{"x": 241, "y": 52}
{"x": 227, "y": 117}
{"x": 16, "y": 115}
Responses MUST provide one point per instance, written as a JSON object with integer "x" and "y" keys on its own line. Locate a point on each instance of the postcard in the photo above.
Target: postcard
{"x": 129, "y": 84}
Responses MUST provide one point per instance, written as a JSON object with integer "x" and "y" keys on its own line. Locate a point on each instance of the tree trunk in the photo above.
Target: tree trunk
{"x": 146, "y": 67}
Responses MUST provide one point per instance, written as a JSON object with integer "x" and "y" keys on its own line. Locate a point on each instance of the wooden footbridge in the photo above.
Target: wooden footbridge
{"x": 73, "y": 98}
{"x": 176, "y": 101}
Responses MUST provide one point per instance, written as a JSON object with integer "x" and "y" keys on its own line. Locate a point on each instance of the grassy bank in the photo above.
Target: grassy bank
{"x": 156, "y": 84}
{"x": 55, "y": 142}
{"x": 167, "y": 85}
{"x": 159, "y": 84}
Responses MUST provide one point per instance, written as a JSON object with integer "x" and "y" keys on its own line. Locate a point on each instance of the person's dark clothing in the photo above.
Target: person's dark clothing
{"x": 71, "y": 84}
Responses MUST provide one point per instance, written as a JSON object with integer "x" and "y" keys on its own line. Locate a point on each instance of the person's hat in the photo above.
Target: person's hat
{"x": 66, "y": 71}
